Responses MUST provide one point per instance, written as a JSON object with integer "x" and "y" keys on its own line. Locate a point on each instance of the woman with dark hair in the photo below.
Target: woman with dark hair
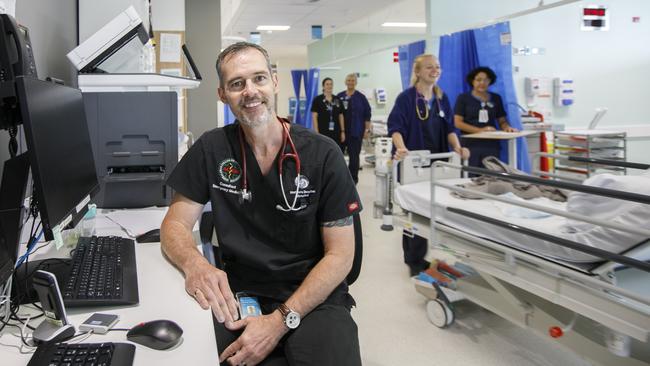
{"x": 327, "y": 114}
{"x": 478, "y": 111}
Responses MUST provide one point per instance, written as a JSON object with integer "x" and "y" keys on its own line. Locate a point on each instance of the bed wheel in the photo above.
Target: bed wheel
{"x": 439, "y": 313}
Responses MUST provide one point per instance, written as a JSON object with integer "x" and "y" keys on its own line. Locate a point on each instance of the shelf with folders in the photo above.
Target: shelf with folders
{"x": 585, "y": 145}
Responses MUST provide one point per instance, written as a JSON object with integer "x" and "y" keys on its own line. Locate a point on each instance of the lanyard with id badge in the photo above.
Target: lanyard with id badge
{"x": 483, "y": 115}
{"x": 330, "y": 109}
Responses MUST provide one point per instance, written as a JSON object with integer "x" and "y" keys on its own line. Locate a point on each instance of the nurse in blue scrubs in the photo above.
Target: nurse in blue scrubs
{"x": 479, "y": 111}
{"x": 421, "y": 120}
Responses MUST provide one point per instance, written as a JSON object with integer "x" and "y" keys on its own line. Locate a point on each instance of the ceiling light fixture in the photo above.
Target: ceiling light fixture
{"x": 405, "y": 24}
{"x": 273, "y": 27}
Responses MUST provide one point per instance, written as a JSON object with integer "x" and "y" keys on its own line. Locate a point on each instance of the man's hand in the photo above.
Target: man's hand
{"x": 488, "y": 128}
{"x": 261, "y": 335}
{"x": 401, "y": 152}
{"x": 510, "y": 129}
{"x": 209, "y": 286}
{"x": 342, "y": 136}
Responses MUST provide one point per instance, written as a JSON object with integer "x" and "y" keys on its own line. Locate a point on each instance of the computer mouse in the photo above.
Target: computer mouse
{"x": 151, "y": 236}
{"x": 156, "y": 334}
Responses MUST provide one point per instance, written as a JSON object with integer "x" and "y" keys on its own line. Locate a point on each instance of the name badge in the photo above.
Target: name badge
{"x": 331, "y": 126}
{"x": 483, "y": 116}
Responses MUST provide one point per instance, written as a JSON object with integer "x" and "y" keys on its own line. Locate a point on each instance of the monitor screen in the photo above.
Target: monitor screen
{"x": 59, "y": 149}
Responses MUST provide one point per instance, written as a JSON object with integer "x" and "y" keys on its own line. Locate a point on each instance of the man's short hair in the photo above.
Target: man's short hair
{"x": 234, "y": 49}
{"x": 352, "y": 75}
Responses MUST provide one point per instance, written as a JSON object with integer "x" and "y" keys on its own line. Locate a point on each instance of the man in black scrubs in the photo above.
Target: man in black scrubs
{"x": 285, "y": 232}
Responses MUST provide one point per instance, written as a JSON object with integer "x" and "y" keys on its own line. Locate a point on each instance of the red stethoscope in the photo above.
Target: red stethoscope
{"x": 246, "y": 195}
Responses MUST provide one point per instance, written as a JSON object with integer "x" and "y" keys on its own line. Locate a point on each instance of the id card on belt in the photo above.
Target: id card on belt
{"x": 248, "y": 305}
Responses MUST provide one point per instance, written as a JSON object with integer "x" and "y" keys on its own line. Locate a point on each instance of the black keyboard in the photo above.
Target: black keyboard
{"x": 103, "y": 273}
{"x": 95, "y": 354}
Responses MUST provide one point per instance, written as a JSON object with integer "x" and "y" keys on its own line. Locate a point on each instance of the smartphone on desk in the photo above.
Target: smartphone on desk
{"x": 248, "y": 305}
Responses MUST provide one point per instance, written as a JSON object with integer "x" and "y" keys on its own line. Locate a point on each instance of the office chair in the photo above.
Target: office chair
{"x": 213, "y": 254}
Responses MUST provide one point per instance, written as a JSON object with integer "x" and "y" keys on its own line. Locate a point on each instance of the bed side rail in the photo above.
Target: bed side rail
{"x": 605, "y": 192}
{"x": 608, "y": 162}
{"x": 631, "y": 262}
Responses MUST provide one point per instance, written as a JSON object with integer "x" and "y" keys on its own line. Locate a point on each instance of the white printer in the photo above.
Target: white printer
{"x": 133, "y": 117}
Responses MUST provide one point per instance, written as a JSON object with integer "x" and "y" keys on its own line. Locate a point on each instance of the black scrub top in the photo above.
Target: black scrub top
{"x": 468, "y": 106}
{"x": 268, "y": 252}
{"x": 328, "y": 111}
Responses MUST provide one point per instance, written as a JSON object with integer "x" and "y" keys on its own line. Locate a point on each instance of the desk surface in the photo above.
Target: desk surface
{"x": 162, "y": 296}
{"x": 499, "y": 135}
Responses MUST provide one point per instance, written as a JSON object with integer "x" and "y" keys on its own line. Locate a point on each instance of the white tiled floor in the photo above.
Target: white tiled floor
{"x": 393, "y": 326}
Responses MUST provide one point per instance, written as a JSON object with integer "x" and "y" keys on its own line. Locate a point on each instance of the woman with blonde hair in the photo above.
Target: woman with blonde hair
{"x": 421, "y": 119}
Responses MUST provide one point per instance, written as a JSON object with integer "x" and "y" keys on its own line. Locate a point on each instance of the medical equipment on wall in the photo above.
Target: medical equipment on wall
{"x": 563, "y": 92}
{"x": 247, "y": 196}
{"x": 380, "y": 95}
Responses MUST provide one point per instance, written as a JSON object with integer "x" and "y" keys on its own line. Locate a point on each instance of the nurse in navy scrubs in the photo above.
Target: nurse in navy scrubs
{"x": 479, "y": 111}
{"x": 421, "y": 120}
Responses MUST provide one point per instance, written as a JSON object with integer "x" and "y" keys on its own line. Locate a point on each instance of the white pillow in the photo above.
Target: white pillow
{"x": 609, "y": 209}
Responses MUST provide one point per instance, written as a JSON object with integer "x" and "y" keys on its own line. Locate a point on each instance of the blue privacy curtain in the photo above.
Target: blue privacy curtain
{"x": 495, "y": 51}
{"x": 408, "y": 53}
{"x": 311, "y": 78}
{"x": 457, "y": 57}
{"x": 228, "y": 117}
{"x": 296, "y": 77}
{"x": 311, "y": 91}
{"x": 489, "y": 46}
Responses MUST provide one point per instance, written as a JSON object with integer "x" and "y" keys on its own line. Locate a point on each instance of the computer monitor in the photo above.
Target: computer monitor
{"x": 60, "y": 151}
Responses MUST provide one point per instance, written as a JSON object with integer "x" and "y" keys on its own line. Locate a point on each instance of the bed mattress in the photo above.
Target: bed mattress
{"x": 416, "y": 198}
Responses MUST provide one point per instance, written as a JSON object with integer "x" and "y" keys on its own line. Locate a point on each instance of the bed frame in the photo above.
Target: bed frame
{"x": 581, "y": 306}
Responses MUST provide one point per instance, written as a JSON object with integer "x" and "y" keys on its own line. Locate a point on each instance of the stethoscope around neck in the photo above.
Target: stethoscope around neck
{"x": 247, "y": 196}
{"x": 419, "y": 96}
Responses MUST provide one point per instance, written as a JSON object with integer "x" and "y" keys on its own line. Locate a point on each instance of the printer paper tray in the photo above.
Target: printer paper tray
{"x": 133, "y": 177}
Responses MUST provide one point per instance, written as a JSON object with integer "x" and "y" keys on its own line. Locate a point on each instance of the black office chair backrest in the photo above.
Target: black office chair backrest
{"x": 213, "y": 253}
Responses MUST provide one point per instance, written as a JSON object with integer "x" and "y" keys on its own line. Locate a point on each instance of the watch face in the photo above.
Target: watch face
{"x": 292, "y": 320}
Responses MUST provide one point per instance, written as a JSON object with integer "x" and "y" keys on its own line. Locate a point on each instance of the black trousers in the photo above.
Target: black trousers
{"x": 326, "y": 336}
{"x": 354, "y": 149}
{"x": 480, "y": 152}
{"x": 415, "y": 249}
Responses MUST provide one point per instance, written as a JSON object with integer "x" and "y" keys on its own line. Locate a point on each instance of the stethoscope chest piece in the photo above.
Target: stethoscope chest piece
{"x": 245, "y": 196}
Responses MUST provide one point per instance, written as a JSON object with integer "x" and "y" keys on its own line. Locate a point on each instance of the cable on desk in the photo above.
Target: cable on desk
{"x": 119, "y": 329}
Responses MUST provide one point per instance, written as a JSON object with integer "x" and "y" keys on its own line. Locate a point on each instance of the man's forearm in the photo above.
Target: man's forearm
{"x": 319, "y": 284}
{"x": 179, "y": 246}
{"x": 330, "y": 271}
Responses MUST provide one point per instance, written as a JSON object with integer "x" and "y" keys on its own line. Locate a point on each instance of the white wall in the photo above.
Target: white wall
{"x": 370, "y": 55}
{"x": 168, "y": 15}
{"x": 94, "y": 14}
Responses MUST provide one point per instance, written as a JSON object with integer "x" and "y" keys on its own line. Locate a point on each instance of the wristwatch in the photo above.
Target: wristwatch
{"x": 291, "y": 318}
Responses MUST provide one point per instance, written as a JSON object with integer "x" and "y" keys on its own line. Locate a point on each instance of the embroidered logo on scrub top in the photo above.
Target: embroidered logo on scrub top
{"x": 301, "y": 182}
{"x": 353, "y": 206}
{"x": 230, "y": 171}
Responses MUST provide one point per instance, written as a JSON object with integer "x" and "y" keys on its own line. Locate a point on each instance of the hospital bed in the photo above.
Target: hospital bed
{"x": 594, "y": 301}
